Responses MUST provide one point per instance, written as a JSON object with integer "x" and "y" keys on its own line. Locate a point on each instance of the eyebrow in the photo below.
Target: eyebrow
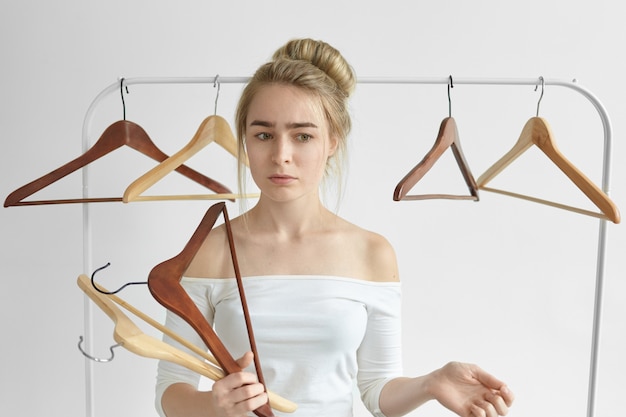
{"x": 293, "y": 125}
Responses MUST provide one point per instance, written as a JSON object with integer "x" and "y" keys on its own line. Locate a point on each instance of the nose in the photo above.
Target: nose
{"x": 282, "y": 151}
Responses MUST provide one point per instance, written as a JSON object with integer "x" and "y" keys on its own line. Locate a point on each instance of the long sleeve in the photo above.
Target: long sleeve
{"x": 169, "y": 373}
{"x": 380, "y": 355}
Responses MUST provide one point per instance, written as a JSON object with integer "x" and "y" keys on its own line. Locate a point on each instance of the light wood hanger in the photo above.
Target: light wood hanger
{"x": 212, "y": 129}
{"x": 448, "y": 137}
{"x": 164, "y": 284}
{"x": 128, "y": 335}
{"x": 537, "y": 132}
{"x": 118, "y": 134}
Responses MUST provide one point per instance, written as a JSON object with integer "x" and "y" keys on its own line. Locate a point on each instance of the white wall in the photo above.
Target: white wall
{"x": 505, "y": 283}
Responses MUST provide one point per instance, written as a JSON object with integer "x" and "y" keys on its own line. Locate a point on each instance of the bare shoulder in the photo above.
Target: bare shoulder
{"x": 211, "y": 259}
{"x": 375, "y": 253}
{"x": 382, "y": 258}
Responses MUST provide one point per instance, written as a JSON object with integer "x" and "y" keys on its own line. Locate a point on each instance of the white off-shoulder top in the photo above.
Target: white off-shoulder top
{"x": 316, "y": 336}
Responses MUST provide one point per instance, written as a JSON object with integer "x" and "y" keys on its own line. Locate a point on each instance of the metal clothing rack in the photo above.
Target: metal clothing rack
{"x": 602, "y": 232}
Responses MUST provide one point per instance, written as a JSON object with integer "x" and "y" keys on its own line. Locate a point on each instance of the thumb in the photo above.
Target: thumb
{"x": 245, "y": 360}
{"x": 487, "y": 379}
{"x": 495, "y": 384}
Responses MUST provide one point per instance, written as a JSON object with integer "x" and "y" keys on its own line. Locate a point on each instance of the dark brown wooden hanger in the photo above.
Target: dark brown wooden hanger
{"x": 164, "y": 284}
{"x": 118, "y": 134}
{"x": 448, "y": 137}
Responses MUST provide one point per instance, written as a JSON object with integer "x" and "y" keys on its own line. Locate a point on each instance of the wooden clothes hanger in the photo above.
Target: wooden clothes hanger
{"x": 212, "y": 129}
{"x": 127, "y": 334}
{"x": 164, "y": 284}
{"x": 448, "y": 137}
{"x": 537, "y": 132}
{"x": 118, "y": 134}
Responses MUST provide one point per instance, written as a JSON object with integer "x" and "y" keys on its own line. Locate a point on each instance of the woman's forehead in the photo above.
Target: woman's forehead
{"x": 285, "y": 104}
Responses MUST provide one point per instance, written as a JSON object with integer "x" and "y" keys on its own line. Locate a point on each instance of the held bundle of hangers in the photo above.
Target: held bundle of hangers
{"x": 165, "y": 287}
{"x": 124, "y": 132}
{"x": 536, "y": 132}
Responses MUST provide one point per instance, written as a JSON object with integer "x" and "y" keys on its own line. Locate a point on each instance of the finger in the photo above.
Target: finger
{"x": 507, "y": 395}
{"x": 247, "y": 392}
{"x": 235, "y": 390}
{"x": 245, "y": 360}
{"x": 498, "y": 404}
{"x": 234, "y": 381}
{"x": 484, "y": 409}
{"x": 476, "y": 411}
{"x": 251, "y": 404}
{"x": 487, "y": 379}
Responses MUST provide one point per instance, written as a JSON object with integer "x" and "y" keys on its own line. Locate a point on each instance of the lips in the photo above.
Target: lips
{"x": 281, "y": 179}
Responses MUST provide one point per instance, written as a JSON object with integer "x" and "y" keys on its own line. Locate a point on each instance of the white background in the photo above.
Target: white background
{"x": 505, "y": 283}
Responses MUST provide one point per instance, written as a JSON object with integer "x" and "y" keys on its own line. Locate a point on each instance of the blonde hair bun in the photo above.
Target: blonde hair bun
{"x": 323, "y": 56}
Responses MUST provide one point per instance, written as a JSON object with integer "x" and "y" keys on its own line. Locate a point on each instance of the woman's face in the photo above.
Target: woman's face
{"x": 288, "y": 142}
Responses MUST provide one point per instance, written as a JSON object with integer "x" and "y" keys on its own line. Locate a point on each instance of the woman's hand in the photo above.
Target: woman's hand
{"x": 237, "y": 394}
{"x": 470, "y": 392}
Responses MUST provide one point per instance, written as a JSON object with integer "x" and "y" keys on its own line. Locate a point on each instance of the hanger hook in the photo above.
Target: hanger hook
{"x": 122, "y": 94}
{"x": 93, "y": 283}
{"x": 216, "y": 83}
{"x": 450, "y": 85}
{"x": 542, "y": 81}
{"x": 93, "y": 358}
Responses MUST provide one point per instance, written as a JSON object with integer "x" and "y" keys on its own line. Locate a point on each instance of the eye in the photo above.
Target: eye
{"x": 304, "y": 137}
{"x": 263, "y": 136}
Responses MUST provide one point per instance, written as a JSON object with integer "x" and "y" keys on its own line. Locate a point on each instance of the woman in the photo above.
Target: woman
{"x": 324, "y": 293}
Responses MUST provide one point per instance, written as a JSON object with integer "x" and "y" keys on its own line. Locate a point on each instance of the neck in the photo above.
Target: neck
{"x": 290, "y": 219}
